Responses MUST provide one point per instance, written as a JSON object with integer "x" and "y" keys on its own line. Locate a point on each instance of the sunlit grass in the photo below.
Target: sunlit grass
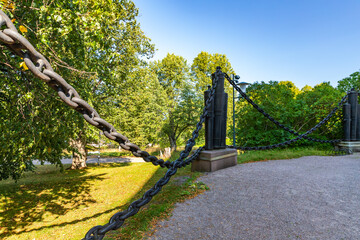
{"x": 48, "y": 204}
{"x": 276, "y": 154}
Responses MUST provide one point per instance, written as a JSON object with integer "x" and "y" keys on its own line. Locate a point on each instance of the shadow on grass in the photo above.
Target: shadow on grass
{"x": 180, "y": 187}
{"x": 28, "y": 203}
{"x": 50, "y": 193}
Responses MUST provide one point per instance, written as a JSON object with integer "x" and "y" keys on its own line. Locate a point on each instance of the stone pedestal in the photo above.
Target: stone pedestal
{"x": 351, "y": 147}
{"x": 213, "y": 160}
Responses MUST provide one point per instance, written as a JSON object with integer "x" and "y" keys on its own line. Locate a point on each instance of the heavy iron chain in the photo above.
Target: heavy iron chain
{"x": 262, "y": 111}
{"x": 117, "y": 220}
{"x": 41, "y": 68}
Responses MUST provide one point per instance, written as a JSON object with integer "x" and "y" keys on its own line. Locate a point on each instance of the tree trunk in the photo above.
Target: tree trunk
{"x": 172, "y": 143}
{"x": 79, "y": 156}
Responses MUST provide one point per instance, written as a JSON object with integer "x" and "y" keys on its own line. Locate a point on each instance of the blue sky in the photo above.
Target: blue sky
{"x": 306, "y": 42}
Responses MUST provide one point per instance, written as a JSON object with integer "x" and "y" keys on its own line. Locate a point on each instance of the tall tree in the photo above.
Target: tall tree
{"x": 174, "y": 76}
{"x": 94, "y": 45}
{"x": 204, "y": 64}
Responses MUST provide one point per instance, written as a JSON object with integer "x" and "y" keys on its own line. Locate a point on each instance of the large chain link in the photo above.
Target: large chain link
{"x": 41, "y": 68}
{"x": 117, "y": 220}
{"x": 262, "y": 111}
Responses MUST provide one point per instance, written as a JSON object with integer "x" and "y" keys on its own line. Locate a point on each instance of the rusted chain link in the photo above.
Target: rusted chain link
{"x": 117, "y": 220}
{"x": 275, "y": 121}
{"x": 41, "y": 68}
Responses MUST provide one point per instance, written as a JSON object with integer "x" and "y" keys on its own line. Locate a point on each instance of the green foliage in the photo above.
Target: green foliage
{"x": 299, "y": 110}
{"x": 205, "y": 64}
{"x": 32, "y": 124}
{"x": 315, "y": 105}
{"x": 173, "y": 75}
{"x": 94, "y": 45}
{"x": 353, "y": 81}
{"x": 139, "y": 107}
{"x": 184, "y": 87}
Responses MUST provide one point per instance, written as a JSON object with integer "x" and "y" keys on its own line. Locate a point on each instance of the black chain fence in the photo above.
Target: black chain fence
{"x": 41, "y": 68}
{"x": 262, "y": 111}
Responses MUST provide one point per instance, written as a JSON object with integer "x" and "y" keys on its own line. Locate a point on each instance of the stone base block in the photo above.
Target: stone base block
{"x": 350, "y": 147}
{"x": 213, "y": 160}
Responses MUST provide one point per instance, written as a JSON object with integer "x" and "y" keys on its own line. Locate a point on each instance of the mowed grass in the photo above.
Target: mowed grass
{"x": 48, "y": 204}
{"x": 276, "y": 154}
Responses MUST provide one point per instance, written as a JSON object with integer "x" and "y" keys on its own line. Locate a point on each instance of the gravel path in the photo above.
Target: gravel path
{"x": 305, "y": 198}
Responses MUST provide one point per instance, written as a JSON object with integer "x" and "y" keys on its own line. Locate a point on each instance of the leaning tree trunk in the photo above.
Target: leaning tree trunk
{"x": 79, "y": 156}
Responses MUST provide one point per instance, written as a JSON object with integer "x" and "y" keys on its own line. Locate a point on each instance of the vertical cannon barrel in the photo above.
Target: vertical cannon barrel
{"x": 223, "y": 126}
{"x": 358, "y": 123}
{"x": 347, "y": 121}
{"x": 209, "y": 122}
{"x": 353, "y": 96}
{"x": 219, "y": 111}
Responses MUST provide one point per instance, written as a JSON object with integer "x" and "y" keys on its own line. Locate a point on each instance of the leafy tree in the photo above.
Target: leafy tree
{"x": 174, "y": 76}
{"x": 140, "y": 107}
{"x": 299, "y": 110}
{"x": 353, "y": 81}
{"x": 204, "y": 64}
{"x": 94, "y": 45}
{"x": 33, "y": 126}
{"x": 277, "y": 99}
{"x": 317, "y": 104}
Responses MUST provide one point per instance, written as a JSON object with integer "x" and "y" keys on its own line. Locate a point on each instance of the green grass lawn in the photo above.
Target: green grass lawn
{"x": 280, "y": 153}
{"x": 48, "y": 204}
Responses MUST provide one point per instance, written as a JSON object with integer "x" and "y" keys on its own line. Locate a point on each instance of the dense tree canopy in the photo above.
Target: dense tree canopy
{"x": 298, "y": 109}
{"x": 94, "y": 45}
{"x": 174, "y": 76}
